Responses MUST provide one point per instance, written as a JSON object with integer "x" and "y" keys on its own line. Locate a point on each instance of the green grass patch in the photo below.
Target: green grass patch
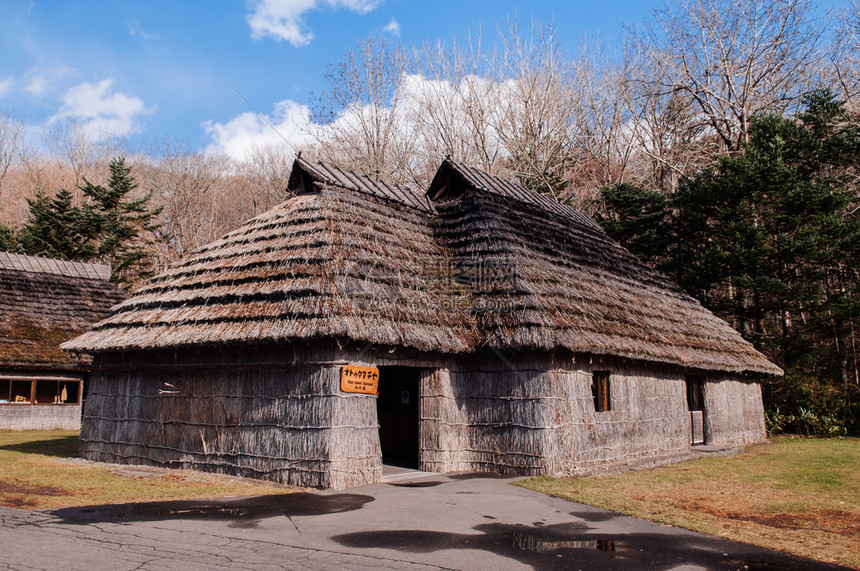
{"x": 41, "y": 470}
{"x": 799, "y": 495}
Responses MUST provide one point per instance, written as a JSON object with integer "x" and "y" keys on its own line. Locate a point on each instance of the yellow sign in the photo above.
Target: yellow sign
{"x": 355, "y": 379}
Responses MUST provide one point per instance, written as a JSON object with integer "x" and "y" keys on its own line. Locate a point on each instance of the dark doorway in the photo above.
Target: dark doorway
{"x": 397, "y": 411}
{"x": 696, "y": 406}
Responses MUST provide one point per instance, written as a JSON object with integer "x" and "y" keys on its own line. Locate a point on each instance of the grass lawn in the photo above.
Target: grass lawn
{"x": 40, "y": 470}
{"x": 795, "y": 494}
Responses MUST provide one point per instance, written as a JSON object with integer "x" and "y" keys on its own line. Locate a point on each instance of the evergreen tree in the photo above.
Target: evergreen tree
{"x": 57, "y": 228}
{"x": 770, "y": 240}
{"x": 8, "y": 241}
{"x": 122, "y": 224}
{"x": 638, "y": 219}
{"x": 111, "y": 226}
{"x": 773, "y": 241}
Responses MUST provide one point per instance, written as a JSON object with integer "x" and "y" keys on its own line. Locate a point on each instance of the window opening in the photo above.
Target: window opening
{"x": 600, "y": 391}
{"x": 40, "y": 391}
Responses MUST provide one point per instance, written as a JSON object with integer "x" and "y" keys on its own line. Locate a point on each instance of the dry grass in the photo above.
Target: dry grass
{"x": 794, "y": 494}
{"x": 41, "y": 470}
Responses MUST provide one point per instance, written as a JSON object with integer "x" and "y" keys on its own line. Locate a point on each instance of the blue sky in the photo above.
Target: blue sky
{"x": 154, "y": 69}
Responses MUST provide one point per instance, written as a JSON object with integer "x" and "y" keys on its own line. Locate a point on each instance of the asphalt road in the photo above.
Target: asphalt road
{"x": 415, "y": 521}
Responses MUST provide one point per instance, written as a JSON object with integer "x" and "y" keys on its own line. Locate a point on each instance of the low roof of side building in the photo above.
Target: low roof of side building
{"x": 44, "y": 302}
{"x": 475, "y": 262}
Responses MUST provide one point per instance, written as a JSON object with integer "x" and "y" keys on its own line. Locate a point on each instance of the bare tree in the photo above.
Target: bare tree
{"x": 730, "y": 59}
{"x": 11, "y": 140}
{"x": 845, "y": 54}
{"x": 186, "y": 183}
{"x": 266, "y": 172}
{"x": 601, "y": 140}
{"x": 362, "y": 112}
{"x": 533, "y": 113}
{"x": 72, "y": 146}
{"x": 670, "y": 141}
{"x": 76, "y": 149}
{"x": 454, "y": 98}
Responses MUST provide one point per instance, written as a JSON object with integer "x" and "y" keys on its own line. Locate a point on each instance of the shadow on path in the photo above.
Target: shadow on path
{"x": 241, "y": 512}
{"x": 572, "y": 545}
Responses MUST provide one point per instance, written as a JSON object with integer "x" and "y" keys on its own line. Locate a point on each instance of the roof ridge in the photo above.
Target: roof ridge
{"x": 43, "y": 265}
{"x": 499, "y": 186}
{"x": 331, "y": 174}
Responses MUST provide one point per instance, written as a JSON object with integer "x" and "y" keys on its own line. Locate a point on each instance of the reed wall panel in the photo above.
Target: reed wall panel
{"x": 733, "y": 412}
{"x": 277, "y": 412}
{"x": 647, "y": 416}
{"x": 481, "y": 415}
{"x": 281, "y": 422}
{"x": 535, "y": 414}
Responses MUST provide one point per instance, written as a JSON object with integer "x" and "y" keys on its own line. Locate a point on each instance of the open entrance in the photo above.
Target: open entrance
{"x": 696, "y": 406}
{"x": 397, "y": 411}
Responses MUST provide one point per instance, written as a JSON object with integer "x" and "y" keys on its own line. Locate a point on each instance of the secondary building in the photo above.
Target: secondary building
{"x": 44, "y": 302}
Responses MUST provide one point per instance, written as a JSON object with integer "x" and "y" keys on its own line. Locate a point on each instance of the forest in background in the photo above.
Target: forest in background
{"x": 718, "y": 140}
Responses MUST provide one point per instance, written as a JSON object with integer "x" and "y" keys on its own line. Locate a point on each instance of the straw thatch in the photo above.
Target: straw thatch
{"x": 349, "y": 257}
{"x": 574, "y": 287}
{"x": 44, "y": 302}
{"x": 330, "y": 263}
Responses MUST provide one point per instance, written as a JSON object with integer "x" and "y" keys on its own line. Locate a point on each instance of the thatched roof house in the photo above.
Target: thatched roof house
{"x": 44, "y": 302}
{"x": 507, "y": 332}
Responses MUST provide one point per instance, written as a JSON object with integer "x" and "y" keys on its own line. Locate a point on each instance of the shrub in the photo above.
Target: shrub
{"x": 803, "y": 404}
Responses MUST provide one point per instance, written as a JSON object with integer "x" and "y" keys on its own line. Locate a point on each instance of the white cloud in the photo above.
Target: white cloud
{"x": 289, "y": 121}
{"x": 294, "y": 129}
{"x": 6, "y": 85}
{"x": 283, "y": 19}
{"x": 106, "y": 113}
{"x": 393, "y": 28}
{"x": 137, "y": 31}
{"x": 39, "y": 81}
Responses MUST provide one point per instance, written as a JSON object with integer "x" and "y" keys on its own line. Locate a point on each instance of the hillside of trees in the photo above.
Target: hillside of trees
{"x": 718, "y": 140}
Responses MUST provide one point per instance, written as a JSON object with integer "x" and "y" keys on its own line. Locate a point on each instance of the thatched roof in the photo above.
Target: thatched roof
{"x": 482, "y": 262}
{"x": 335, "y": 260}
{"x": 575, "y": 287}
{"x": 44, "y": 302}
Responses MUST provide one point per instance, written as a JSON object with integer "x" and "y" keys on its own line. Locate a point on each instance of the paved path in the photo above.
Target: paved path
{"x": 416, "y": 522}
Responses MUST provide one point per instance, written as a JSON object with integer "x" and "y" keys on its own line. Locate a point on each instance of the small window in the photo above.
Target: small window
{"x": 695, "y": 392}
{"x": 600, "y": 390}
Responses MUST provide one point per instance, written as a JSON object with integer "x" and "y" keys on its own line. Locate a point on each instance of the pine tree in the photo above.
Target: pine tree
{"x": 57, "y": 228}
{"x": 770, "y": 240}
{"x": 122, "y": 224}
{"x": 111, "y": 226}
{"x": 637, "y": 217}
{"x": 8, "y": 241}
{"x": 773, "y": 242}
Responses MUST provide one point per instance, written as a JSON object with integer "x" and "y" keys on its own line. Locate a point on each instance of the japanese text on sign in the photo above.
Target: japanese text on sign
{"x": 355, "y": 379}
